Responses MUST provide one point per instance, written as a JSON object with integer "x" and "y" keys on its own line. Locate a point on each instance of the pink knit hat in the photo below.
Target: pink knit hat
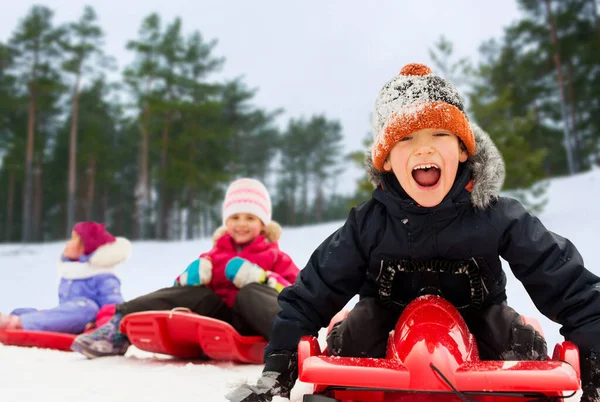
{"x": 93, "y": 235}
{"x": 247, "y": 196}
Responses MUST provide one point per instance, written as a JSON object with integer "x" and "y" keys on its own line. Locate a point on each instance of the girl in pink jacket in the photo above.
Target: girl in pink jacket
{"x": 238, "y": 281}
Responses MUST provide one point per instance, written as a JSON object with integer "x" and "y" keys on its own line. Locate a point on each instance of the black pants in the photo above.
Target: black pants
{"x": 498, "y": 329}
{"x": 253, "y": 312}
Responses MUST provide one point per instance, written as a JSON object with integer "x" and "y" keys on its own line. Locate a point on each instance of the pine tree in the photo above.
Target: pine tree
{"x": 35, "y": 46}
{"x": 82, "y": 46}
{"x": 141, "y": 77}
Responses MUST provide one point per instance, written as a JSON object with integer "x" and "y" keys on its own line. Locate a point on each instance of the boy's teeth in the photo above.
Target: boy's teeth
{"x": 424, "y": 166}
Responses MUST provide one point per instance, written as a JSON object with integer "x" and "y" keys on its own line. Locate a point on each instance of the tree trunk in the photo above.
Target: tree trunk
{"x": 192, "y": 216}
{"x": 235, "y": 142}
{"x": 205, "y": 220}
{"x": 292, "y": 205}
{"x": 179, "y": 221}
{"x": 304, "y": 197}
{"x": 578, "y": 156}
{"x": 191, "y": 197}
{"x": 319, "y": 203}
{"x": 38, "y": 203}
{"x": 26, "y": 232}
{"x": 71, "y": 203}
{"x": 563, "y": 99}
{"x": 596, "y": 12}
{"x": 163, "y": 218}
{"x": 142, "y": 191}
{"x": 104, "y": 212}
{"x": 10, "y": 206}
{"x": 91, "y": 189}
{"x": 120, "y": 212}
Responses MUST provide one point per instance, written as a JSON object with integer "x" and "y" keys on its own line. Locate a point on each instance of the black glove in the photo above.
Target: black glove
{"x": 502, "y": 335}
{"x": 525, "y": 343}
{"x": 590, "y": 377}
{"x": 278, "y": 378}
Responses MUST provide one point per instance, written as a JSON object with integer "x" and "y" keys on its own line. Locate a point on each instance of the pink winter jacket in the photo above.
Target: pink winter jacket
{"x": 261, "y": 251}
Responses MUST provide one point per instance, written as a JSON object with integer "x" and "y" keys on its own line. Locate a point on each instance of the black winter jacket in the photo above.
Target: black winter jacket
{"x": 468, "y": 225}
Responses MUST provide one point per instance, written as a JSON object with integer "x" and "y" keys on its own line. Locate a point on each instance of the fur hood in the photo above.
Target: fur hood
{"x": 103, "y": 261}
{"x": 273, "y": 231}
{"x": 486, "y": 165}
{"x": 112, "y": 253}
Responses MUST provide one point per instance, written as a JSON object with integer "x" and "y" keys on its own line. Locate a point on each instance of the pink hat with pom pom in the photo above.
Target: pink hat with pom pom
{"x": 93, "y": 235}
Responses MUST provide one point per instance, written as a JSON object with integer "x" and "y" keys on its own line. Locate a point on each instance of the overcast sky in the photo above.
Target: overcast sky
{"x": 306, "y": 56}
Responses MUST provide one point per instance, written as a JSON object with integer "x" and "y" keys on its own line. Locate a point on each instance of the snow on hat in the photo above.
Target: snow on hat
{"x": 93, "y": 235}
{"x": 415, "y": 100}
{"x": 247, "y": 196}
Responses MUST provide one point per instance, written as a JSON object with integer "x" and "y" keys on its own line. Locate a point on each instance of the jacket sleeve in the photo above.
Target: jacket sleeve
{"x": 285, "y": 266}
{"x": 333, "y": 275}
{"x": 553, "y": 273}
{"x": 109, "y": 291}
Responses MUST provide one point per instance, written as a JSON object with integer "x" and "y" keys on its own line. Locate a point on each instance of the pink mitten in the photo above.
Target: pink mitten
{"x": 276, "y": 281}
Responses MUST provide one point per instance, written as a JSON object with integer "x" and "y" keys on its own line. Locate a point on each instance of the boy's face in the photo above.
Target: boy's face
{"x": 244, "y": 227}
{"x": 425, "y": 164}
{"x": 74, "y": 248}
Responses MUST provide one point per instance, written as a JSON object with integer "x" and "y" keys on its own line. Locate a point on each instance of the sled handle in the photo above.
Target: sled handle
{"x": 178, "y": 309}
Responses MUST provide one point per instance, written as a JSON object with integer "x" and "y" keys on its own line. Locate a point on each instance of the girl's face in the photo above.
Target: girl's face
{"x": 74, "y": 248}
{"x": 244, "y": 227}
{"x": 425, "y": 163}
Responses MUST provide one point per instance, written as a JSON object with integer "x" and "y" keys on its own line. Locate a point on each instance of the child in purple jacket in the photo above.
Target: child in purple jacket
{"x": 87, "y": 283}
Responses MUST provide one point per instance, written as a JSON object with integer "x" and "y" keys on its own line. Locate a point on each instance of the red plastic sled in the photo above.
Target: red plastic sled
{"x": 431, "y": 355}
{"x": 191, "y": 336}
{"x": 37, "y": 339}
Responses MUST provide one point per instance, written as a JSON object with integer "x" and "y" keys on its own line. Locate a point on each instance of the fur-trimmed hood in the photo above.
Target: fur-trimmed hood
{"x": 486, "y": 165}
{"x": 103, "y": 261}
{"x": 112, "y": 253}
{"x": 273, "y": 231}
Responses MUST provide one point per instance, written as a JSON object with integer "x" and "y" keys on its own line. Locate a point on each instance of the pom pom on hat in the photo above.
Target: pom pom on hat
{"x": 412, "y": 101}
{"x": 93, "y": 235}
{"x": 248, "y": 196}
{"x": 415, "y": 69}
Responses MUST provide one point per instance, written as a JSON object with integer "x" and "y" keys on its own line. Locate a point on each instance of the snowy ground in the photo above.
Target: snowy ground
{"x": 29, "y": 277}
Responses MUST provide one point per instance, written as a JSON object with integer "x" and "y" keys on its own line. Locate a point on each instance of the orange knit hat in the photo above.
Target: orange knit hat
{"x": 415, "y": 100}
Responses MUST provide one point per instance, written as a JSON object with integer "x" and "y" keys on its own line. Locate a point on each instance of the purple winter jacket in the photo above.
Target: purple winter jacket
{"x": 85, "y": 286}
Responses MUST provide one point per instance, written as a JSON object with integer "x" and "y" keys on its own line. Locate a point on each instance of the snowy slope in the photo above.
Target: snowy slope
{"x": 29, "y": 277}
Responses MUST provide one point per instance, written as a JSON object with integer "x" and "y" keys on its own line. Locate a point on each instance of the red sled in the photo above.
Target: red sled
{"x": 191, "y": 336}
{"x": 37, "y": 339}
{"x": 51, "y": 340}
{"x": 431, "y": 355}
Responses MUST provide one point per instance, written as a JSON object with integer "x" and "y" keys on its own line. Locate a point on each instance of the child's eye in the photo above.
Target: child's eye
{"x": 441, "y": 134}
{"x": 408, "y": 137}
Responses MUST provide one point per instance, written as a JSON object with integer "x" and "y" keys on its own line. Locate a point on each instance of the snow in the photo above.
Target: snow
{"x": 29, "y": 280}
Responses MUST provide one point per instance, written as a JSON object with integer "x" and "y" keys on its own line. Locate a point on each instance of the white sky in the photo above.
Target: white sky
{"x": 309, "y": 56}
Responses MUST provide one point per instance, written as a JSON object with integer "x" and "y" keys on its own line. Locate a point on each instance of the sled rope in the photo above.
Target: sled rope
{"x": 462, "y": 396}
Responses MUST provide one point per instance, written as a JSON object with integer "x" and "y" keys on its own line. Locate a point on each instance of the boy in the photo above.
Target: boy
{"x": 435, "y": 225}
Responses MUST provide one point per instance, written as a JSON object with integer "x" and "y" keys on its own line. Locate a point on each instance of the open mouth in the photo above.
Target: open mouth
{"x": 426, "y": 175}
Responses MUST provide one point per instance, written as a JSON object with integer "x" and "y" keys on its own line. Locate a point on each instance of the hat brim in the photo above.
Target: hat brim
{"x": 437, "y": 115}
